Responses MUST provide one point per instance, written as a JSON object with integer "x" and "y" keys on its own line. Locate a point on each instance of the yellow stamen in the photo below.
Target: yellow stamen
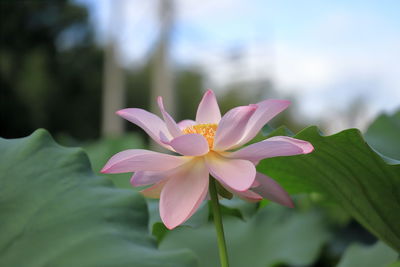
{"x": 207, "y": 130}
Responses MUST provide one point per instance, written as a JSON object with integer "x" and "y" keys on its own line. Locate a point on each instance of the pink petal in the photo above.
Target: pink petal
{"x": 153, "y": 191}
{"x": 147, "y": 177}
{"x": 255, "y": 184}
{"x": 165, "y": 140}
{"x": 272, "y": 147}
{"x": 271, "y": 190}
{"x": 142, "y": 178}
{"x": 267, "y": 109}
{"x": 183, "y": 194}
{"x": 246, "y": 195}
{"x": 232, "y": 126}
{"x": 235, "y": 173}
{"x": 185, "y": 123}
{"x": 149, "y": 122}
{"x": 133, "y": 160}
{"x": 173, "y": 128}
{"x": 190, "y": 145}
{"x": 249, "y": 195}
{"x": 208, "y": 110}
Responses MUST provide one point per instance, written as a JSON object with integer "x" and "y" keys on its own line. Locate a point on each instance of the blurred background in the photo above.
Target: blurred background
{"x": 67, "y": 66}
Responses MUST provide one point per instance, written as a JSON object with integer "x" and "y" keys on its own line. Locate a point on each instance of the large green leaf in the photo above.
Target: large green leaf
{"x": 384, "y": 135}
{"x": 346, "y": 170}
{"x": 274, "y": 235}
{"x": 378, "y": 255}
{"x": 55, "y": 212}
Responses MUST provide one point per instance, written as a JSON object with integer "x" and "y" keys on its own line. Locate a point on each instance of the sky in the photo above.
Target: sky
{"x": 327, "y": 54}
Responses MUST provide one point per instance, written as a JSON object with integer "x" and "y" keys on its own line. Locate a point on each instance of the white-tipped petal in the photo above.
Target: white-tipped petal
{"x": 237, "y": 174}
{"x": 272, "y": 147}
{"x": 232, "y": 127}
{"x": 208, "y": 110}
{"x": 133, "y": 160}
{"x": 190, "y": 145}
{"x": 172, "y": 126}
{"x": 267, "y": 109}
{"x": 183, "y": 193}
{"x": 149, "y": 122}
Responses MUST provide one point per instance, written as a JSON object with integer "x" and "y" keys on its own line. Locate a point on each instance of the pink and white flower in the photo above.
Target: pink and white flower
{"x": 206, "y": 147}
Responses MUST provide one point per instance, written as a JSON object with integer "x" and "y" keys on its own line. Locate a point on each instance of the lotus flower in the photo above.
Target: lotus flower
{"x": 207, "y": 146}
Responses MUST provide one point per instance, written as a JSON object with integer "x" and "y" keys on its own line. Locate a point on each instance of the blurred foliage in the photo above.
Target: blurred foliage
{"x": 189, "y": 91}
{"x": 274, "y": 235}
{"x": 378, "y": 255}
{"x": 56, "y": 212}
{"x": 50, "y": 70}
{"x": 384, "y": 135}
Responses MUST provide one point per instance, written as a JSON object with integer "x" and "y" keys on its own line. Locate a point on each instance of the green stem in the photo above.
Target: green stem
{"x": 223, "y": 254}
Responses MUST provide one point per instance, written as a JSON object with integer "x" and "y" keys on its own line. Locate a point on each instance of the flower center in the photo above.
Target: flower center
{"x": 207, "y": 130}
